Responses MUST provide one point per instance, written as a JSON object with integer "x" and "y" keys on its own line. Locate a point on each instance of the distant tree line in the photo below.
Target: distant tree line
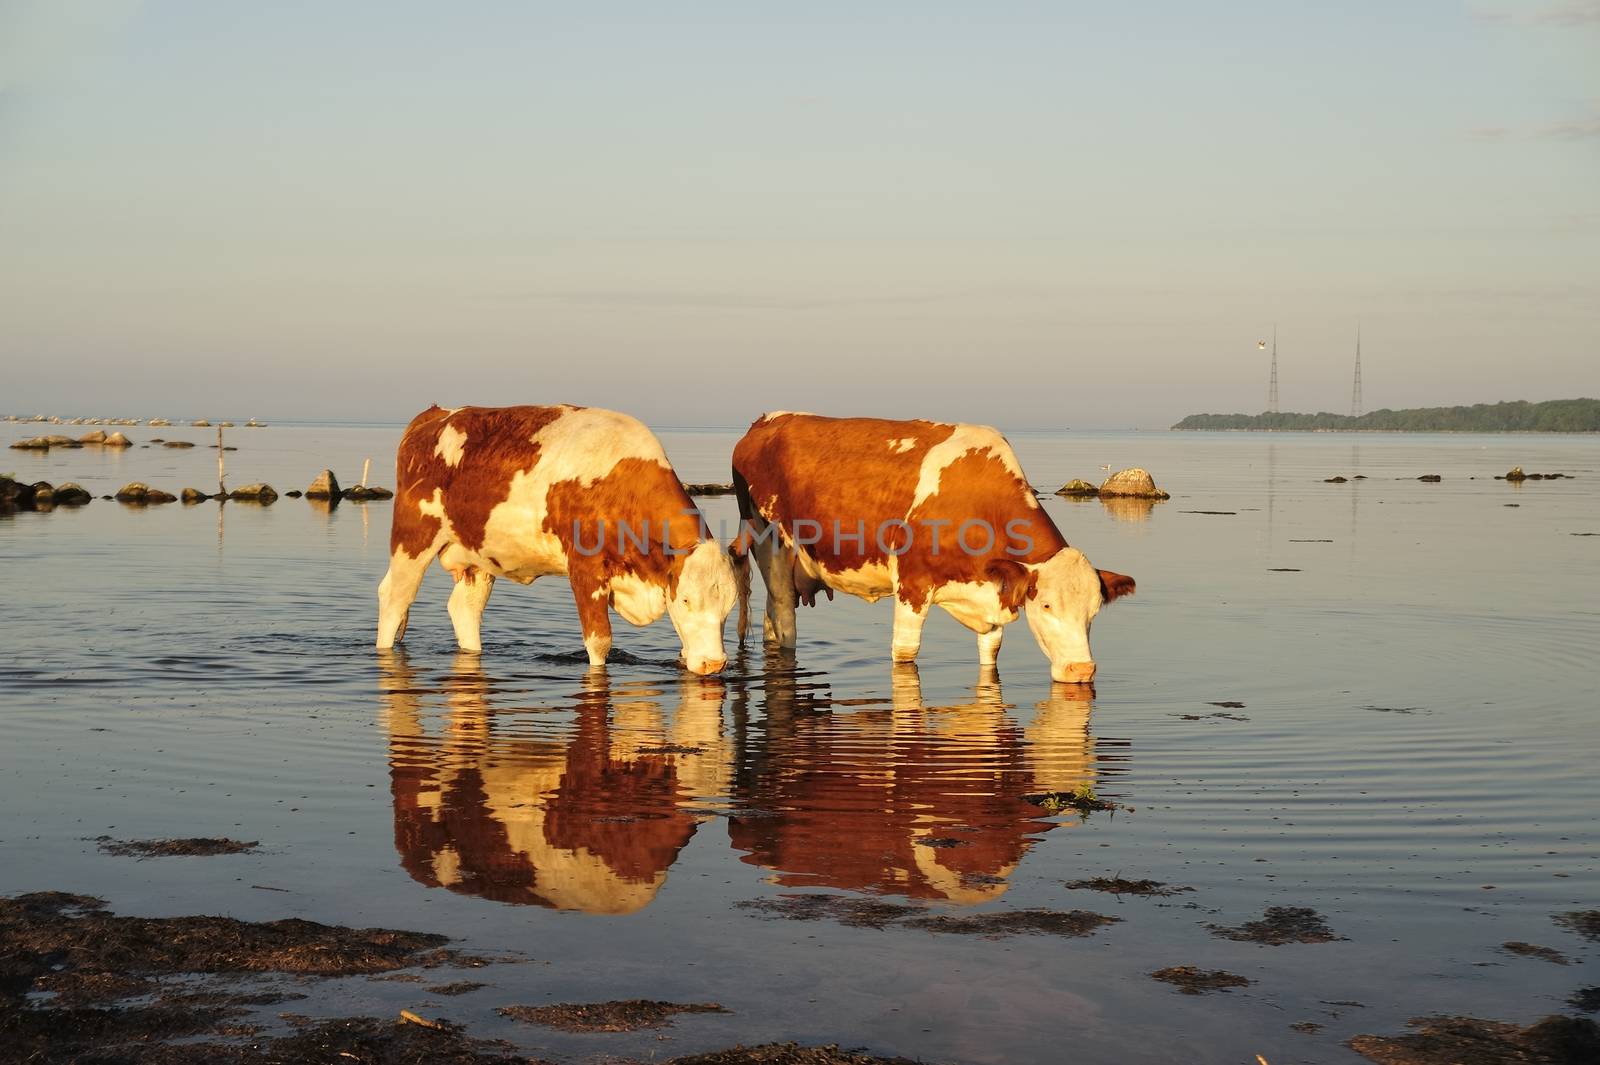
{"x": 1517, "y": 416}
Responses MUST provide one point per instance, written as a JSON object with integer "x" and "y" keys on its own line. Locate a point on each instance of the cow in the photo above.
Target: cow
{"x": 528, "y": 492}
{"x": 932, "y": 513}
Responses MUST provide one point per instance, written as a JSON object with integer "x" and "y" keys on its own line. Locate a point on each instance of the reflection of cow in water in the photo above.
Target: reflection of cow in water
{"x": 918, "y": 801}
{"x": 586, "y": 820}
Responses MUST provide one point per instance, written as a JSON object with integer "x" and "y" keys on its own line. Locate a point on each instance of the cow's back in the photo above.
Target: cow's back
{"x": 876, "y": 472}
{"x": 804, "y": 467}
{"x": 512, "y": 485}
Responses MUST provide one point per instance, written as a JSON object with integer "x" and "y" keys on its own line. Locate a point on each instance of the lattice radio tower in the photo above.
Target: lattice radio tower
{"x": 1355, "y": 388}
{"x": 1272, "y": 386}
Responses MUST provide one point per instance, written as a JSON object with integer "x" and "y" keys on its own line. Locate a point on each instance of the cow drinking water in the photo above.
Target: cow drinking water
{"x": 934, "y": 514}
{"x": 528, "y": 492}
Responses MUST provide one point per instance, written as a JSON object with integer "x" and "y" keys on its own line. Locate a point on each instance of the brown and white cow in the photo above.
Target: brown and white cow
{"x": 934, "y": 514}
{"x": 528, "y": 492}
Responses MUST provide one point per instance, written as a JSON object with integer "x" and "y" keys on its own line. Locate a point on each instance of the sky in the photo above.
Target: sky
{"x": 1033, "y": 215}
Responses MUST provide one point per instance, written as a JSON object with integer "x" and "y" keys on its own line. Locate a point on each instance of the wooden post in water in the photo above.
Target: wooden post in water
{"x": 366, "y": 468}
{"x": 221, "y": 490}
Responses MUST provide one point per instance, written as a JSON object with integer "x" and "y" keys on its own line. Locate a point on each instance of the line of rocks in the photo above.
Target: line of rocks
{"x": 42, "y": 495}
{"x": 198, "y": 423}
{"x": 98, "y": 438}
{"x": 1516, "y": 474}
{"x": 19, "y": 495}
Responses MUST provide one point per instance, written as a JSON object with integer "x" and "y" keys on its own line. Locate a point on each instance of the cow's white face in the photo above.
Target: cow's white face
{"x": 700, "y": 605}
{"x": 1069, "y": 592}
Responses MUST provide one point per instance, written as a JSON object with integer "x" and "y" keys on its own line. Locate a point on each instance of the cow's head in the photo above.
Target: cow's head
{"x": 1061, "y": 597}
{"x": 699, "y": 606}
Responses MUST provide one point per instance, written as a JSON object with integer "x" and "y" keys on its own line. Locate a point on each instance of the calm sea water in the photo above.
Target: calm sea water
{"x": 1415, "y": 759}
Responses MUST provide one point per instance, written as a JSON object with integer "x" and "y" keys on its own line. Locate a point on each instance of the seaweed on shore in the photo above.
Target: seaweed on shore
{"x": 1585, "y": 923}
{"x": 875, "y": 913}
{"x": 119, "y": 989}
{"x": 1192, "y": 981}
{"x": 1532, "y": 950}
{"x": 627, "y": 1015}
{"x": 1116, "y": 885}
{"x": 193, "y": 847}
{"x": 1556, "y": 1040}
{"x": 1280, "y": 925}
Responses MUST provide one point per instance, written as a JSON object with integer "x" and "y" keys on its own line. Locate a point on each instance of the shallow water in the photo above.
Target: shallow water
{"x": 1415, "y": 760}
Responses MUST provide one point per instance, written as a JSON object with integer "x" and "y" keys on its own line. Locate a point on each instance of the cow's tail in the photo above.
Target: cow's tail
{"x": 739, "y": 552}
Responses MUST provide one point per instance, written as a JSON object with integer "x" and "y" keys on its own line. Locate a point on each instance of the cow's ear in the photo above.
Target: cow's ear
{"x": 1114, "y": 586}
{"x": 1016, "y": 582}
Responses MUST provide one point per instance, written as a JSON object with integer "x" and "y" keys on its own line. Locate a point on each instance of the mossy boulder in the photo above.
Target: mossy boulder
{"x": 1134, "y": 482}
{"x": 1078, "y": 488}
{"x": 264, "y": 494}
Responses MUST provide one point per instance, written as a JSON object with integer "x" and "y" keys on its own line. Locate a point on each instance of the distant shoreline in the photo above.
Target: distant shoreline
{"x": 1517, "y": 416}
{"x": 1393, "y": 432}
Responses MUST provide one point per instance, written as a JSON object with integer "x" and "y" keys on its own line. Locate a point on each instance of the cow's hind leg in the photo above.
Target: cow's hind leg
{"x": 777, "y": 572}
{"x": 398, "y": 590}
{"x": 467, "y": 600}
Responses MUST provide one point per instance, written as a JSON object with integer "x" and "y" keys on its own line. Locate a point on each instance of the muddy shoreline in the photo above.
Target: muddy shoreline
{"x": 79, "y": 983}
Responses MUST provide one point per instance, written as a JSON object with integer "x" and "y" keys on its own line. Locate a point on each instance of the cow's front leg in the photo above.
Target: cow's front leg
{"x": 594, "y": 612}
{"x": 908, "y": 621}
{"x": 398, "y": 590}
{"x": 989, "y": 645}
{"x": 467, "y": 600}
{"x": 777, "y": 570}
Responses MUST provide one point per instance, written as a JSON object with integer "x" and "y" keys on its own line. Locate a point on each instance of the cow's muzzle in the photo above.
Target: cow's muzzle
{"x": 1072, "y": 673}
{"x": 705, "y": 666}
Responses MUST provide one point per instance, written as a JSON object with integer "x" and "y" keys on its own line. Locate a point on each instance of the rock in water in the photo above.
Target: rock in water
{"x": 96, "y": 437}
{"x": 361, "y": 493}
{"x": 1080, "y": 488}
{"x": 194, "y": 495}
{"x": 1430, "y": 477}
{"x": 44, "y": 493}
{"x": 1134, "y": 482}
{"x": 72, "y": 494}
{"x": 118, "y": 440}
{"x": 326, "y": 486}
{"x": 200, "y": 423}
{"x": 14, "y": 493}
{"x": 1516, "y": 474}
{"x": 45, "y": 443}
{"x": 255, "y": 493}
{"x": 141, "y": 494}
{"x": 178, "y": 443}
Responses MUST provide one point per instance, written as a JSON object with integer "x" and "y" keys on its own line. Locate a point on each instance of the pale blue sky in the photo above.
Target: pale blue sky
{"x": 1029, "y": 214}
